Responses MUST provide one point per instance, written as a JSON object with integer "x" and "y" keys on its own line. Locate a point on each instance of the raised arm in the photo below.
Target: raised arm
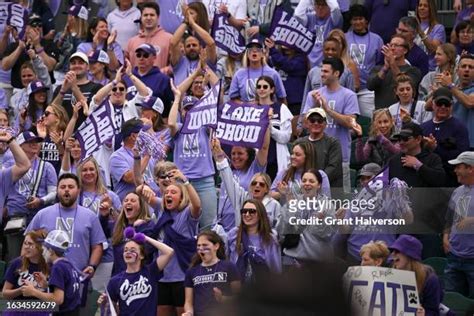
{"x": 174, "y": 112}
{"x": 166, "y": 252}
{"x": 206, "y": 37}
{"x": 175, "y": 51}
{"x": 22, "y": 163}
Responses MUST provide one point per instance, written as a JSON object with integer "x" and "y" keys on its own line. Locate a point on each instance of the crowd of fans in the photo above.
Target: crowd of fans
{"x": 381, "y": 109}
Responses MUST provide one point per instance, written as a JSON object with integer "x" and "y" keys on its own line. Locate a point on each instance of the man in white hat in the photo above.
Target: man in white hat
{"x": 458, "y": 237}
{"x": 76, "y": 86}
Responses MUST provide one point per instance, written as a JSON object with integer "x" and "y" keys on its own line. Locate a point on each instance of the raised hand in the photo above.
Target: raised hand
{"x": 112, "y": 37}
{"x": 176, "y": 91}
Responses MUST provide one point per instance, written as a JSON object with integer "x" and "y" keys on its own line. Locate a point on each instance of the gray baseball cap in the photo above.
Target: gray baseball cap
{"x": 370, "y": 170}
{"x": 466, "y": 157}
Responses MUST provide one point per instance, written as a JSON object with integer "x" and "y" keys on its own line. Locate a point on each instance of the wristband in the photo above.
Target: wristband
{"x": 10, "y": 140}
{"x": 39, "y": 51}
{"x": 229, "y": 15}
{"x": 137, "y": 157}
{"x": 186, "y": 182}
{"x": 61, "y": 92}
{"x": 93, "y": 266}
{"x": 451, "y": 86}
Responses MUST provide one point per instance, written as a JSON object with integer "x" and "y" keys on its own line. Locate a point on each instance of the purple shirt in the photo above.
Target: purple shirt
{"x": 81, "y": 225}
{"x": 121, "y": 161}
{"x": 271, "y": 252}
{"x": 6, "y": 184}
{"x": 136, "y": 293}
{"x": 17, "y": 199}
{"x": 461, "y": 206}
{"x": 17, "y": 278}
{"x": 204, "y": 279}
{"x": 171, "y": 14}
{"x": 225, "y": 210}
{"x": 437, "y": 33}
{"x": 321, "y": 29}
{"x": 244, "y": 83}
{"x": 419, "y": 59}
{"x": 185, "y": 225}
{"x": 365, "y": 52}
{"x": 64, "y": 276}
{"x": 192, "y": 154}
{"x": 343, "y": 101}
{"x": 384, "y": 18}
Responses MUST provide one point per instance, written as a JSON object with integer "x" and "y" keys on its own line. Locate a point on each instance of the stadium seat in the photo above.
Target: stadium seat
{"x": 437, "y": 263}
{"x": 458, "y": 303}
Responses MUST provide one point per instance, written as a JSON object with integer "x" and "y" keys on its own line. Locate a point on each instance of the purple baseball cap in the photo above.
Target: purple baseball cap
{"x": 152, "y": 103}
{"x": 409, "y": 246}
{"x": 35, "y": 86}
{"x": 28, "y": 137}
{"x": 78, "y": 11}
{"x": 99, "y": 56}
{"x": 147, "y": 48}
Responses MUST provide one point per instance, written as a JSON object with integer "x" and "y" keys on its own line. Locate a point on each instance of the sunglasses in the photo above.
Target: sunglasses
{"x": 250, "y": 211}
{"x": 47, "y": 113}
{"x": 318, "y": 120}
{"x": 405, "y": 138}
{"x": 263, "y": 86}
{"x": 446, "y": 105}
{"x": 164, "y": 176}
{"x": 254, "y": 183}
{"x": 121, "y": 89}
{"x": 144, "y": 55}
{"x": 36, "y": 24}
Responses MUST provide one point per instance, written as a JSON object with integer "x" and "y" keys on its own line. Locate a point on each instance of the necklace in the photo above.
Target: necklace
{"x": 212, "y": 267}
{"x": 68, "y": 227}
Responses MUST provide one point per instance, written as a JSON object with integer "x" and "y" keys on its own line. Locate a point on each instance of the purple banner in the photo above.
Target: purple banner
{"x": 204, "y": 113}
{"x": 95, "y": 131}
{"x": 242, "y": 124}
{"x": 288, "y": 31}
{"x": 226, "y": 36}
{"x": 14, "y": 15}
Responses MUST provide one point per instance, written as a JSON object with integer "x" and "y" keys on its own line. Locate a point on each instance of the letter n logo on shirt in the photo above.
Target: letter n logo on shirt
{"x": 67, "y": 226}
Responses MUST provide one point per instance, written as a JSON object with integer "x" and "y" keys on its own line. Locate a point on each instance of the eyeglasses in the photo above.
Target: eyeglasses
{"x": 446, "y": 105}
{"x": 318, "y": 120}
{"x": 254, "y": 183}
{"x": 121, "y": 89}
{"x": 36, "y": 24}
{"x": 47, "y": 113}
{"x": 140, "y": 55}
{"x": 29, "y": 245}
{"x": 250, "y": 211}
{"x": 255, "y": 48}
{"x": 263, "y": 86}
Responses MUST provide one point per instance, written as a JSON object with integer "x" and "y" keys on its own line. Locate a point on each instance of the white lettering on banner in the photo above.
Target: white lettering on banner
{"x": 237, "y": 133}
{"x": 227, "y": 35}
{"x": 243, "y": 114}
{"x": 131, "y": 292}
{"x": 17, "y": 16}
{"x": 203, "y": 117}
{"x": 294, "y": 24}
{"x": 292, "y": 38}
{"x": 94, "y": 135}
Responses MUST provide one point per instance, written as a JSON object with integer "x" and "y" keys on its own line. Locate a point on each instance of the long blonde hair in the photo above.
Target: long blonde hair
{"x": 378, "y": 113}
{"x": 122, "y": 222}
{"x": 63, "y": 117}
{"x": 99, "y": 184}
{"x": 339, "y": 35}
{"x": 184, "y": 197}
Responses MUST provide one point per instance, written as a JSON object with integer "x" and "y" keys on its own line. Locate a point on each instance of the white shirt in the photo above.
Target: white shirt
{"x": 122, "y": 22}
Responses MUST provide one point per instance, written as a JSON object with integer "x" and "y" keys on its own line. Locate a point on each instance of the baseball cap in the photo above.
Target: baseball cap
{"x": 57, "y": 240}
{"x": 370, "y": 170}
{"x": 409, "y": 246}
{"x": 99, "y": 56}
{"x": 318, "y": 111}
{"x": 443, "y": 95}
{"x": 80, "y": 55}
{"x": 466, "y": 157}
{"x": 147, "y": 48}
{"x": 189, "y": 101}
{"x": 254, "y": 42}
{"x": 34, "y": 18}
{"x": 153, "y": 103}
{"x": 79, "y": 11}
{"x": 409, "y": 129}
{"x": 35, "y": 86}
{"x": 28, "y": 137}
{"x": 133, "y": 125}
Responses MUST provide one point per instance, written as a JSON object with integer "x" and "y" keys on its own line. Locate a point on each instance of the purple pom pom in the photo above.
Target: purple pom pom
{"x": 129, "y": 232}
{"x": 139, "y": 238}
